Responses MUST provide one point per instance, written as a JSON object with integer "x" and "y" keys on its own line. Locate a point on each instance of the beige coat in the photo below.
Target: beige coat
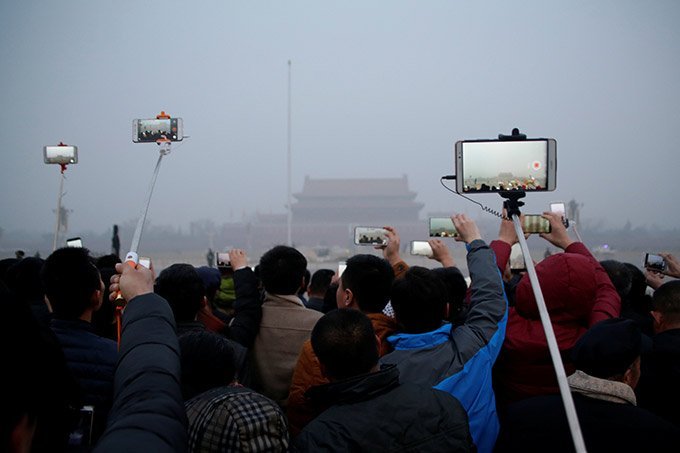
{"x": 285, "y": 326}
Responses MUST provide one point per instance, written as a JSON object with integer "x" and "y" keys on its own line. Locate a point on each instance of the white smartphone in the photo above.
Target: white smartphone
{"x": 559, "y": 208}
{"x": 370, "y": 236}
{"x": 74, "y": 242}
{"x": 422, "y": 248}
{"x": 153, "y": 129}
{"x": 145, "y": 261}
{"x": 342, "y": 265}
{"x": 60, "y": 154}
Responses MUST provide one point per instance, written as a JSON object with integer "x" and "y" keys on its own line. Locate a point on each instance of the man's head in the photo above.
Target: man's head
{"x": 72, "y": 283}
{"x": 183, "y": 288}
{"x": 345, "y": 343}
{"x": 620, "y": 276}
{"x": 666, "y": 303}
{"x": 456, "y": 290}
{"x": 207, "y": 361}
{"x": 319, "y": 283}
{"x": 365, "y": 284}
{"x": 611, "y": 350}
{"x": 419, "y": 300}
{"x": 211, "y": 281}
{"x": 282, "y": 270}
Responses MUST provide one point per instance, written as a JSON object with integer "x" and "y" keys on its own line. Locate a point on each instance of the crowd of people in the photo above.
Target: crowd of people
{"x": 384, "y": 357}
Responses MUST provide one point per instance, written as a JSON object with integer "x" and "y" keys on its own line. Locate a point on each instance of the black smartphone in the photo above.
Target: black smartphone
{"x": 495, "y": 165}
{"x": 222, "y": 260}
{"x": 442, "y": 227}
{"x": 655, "y": 262}
{"x": 151, "y": 130}
{"x": 535, "y": 223}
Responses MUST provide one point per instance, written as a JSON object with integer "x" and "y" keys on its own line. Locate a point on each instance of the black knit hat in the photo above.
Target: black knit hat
{"x": 609, "y": 348}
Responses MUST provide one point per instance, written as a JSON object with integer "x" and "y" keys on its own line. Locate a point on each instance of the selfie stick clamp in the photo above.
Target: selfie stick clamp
{"x": 512, "y": 205}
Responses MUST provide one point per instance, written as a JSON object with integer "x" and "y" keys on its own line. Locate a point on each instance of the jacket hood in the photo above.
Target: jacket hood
{"x": 568, "y": 284}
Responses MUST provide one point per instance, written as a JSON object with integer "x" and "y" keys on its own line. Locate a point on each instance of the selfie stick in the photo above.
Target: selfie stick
{"x": 512, "y": 206}
{"x": 61, "y": 193}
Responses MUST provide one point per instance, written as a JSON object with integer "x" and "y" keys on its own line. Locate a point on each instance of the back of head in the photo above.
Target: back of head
{"x": 568, "y": 284}
{"x": 638, "y": 288}
{"x": 320, "y": 282}
{"x": 23, "y": 278}
{"x": 620, "y": 276}
{"x": 370, "y": 279}
{"x": 211, "y": 280}
{"x": 207, "y": 361}
{"x": 345, "y": 343}
{"x": 70, "y": 278}
{"x": 108, "y": 261}
{"x": 666, "y": 300}
{"x": 282, "y": 270}
{"x": 608, "y": 348}
{"x": 182, "y": 287}
{"x": 456, "y": 290}
{"x": 419, "y": 300}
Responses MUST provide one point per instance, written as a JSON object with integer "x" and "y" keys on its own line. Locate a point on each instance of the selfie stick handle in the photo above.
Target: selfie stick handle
{"x": 61, "y": 193}
{"x": 512, "y": 205}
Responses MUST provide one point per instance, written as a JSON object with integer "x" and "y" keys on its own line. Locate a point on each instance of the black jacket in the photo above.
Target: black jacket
{"x": 247, "y": 308}
{"x": 148, "y": 410}
{"x": 659, "y": 387}
{"x": 539, "y": 424}
{"x": 373, "y": 412}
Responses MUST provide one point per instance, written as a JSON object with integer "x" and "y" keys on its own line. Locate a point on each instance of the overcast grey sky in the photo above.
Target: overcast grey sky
{"x": 379, "y": 88}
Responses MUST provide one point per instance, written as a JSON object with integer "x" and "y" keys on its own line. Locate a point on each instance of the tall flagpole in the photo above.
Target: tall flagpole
{"x": 289, "y": 204}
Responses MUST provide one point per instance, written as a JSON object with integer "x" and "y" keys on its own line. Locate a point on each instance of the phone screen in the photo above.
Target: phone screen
{"x": 370, "y": 236}
{"x": 144, "y": 261}
{"x": 655, "y": 262}
{"x": 517, "y": 259}
{"x": 442, "y": 227}
{"x": 60, "y": 154}
{"x": 74, "y": 242}
{"x": 151, "y": 130}
{"x": 560, "y": 209}
{"x": 494, "y": 166}
{"x": 222, "y": 260}
{"x": 535, "y": 223}
{"x": 342, "y": 265}
{"x": 421, "y": 248}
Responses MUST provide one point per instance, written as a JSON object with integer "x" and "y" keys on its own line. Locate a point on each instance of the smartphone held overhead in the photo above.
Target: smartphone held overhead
{"x": 370, "y": 236}
{"x": 442, "y": 227}
{"x": 535, "y": 223}
{"x": 422, "y": 248}
{"x": 655, "y": 262}
{"x": 152, "y": 130}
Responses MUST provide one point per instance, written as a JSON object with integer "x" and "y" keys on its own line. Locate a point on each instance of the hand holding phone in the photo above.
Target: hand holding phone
{"x": 655, "y": 263}
{"x": 558, "y": 235}
{"x": 535, "y": 223}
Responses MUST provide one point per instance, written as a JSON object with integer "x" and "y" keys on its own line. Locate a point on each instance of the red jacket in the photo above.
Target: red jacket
{"x": 578, "y": 293}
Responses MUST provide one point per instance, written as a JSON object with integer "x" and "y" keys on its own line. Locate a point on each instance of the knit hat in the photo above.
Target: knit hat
{"x": 235, "y": 419}
{"x": 609, "y": 348}
{"x": 210, "y": 276}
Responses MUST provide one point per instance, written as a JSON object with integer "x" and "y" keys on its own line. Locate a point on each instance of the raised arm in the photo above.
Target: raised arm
{"x": 248, "y": 303}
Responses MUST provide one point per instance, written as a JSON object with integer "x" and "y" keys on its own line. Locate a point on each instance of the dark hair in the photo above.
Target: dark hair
{"x": 282, "y": 269}
{"x": 370, "y": 279}
{"x": 70, "y": 278}
{"x": 305, "y": 281}
{"x": 183, "y": 288}
{"x": 620, "y": 276}
{"x": 108, "y": 261}
{"x": 321, "y": 280}
{"x": 23, "y": 278}
{"x": 455, "y": 288}
{"x": 103, "y": 319}
{"x": 666, "y": 300}
{"x": 207, "y": 361}
{"x": 418, "y": 300}
{"x": 344, "y": 341}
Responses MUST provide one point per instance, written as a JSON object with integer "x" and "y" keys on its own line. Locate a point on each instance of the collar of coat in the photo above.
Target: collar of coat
{"x": 288, "y": 298}
{"x": 421, "y": 340}
{"x": 601, "y": 389}
{"x": 357, "y": 388}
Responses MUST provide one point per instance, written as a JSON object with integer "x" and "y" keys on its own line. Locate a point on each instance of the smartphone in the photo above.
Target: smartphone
{"x": 222, "y": 260}
{"x": 655, "y": 262}
{"x": 81, "y": 436}
{"x": 145, "y": 261}
{"x": 151, "y": 130}
{"x": 422, "y": 248}
{"x": 74, "y": 242}
{"x": 558, "y": 207}
{"x": 535, "y": 223}
{"x": 517, "y": 264}
{"x": 60, "y": 154}
{"x": 484, "y": 166}
{"x": 442, "y": 227}
{"x": 342, "y": 265}
{"x": 370, "y": 236}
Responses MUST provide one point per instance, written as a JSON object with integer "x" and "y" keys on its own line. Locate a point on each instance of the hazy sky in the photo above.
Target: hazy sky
{"x": 379, "y": 89}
